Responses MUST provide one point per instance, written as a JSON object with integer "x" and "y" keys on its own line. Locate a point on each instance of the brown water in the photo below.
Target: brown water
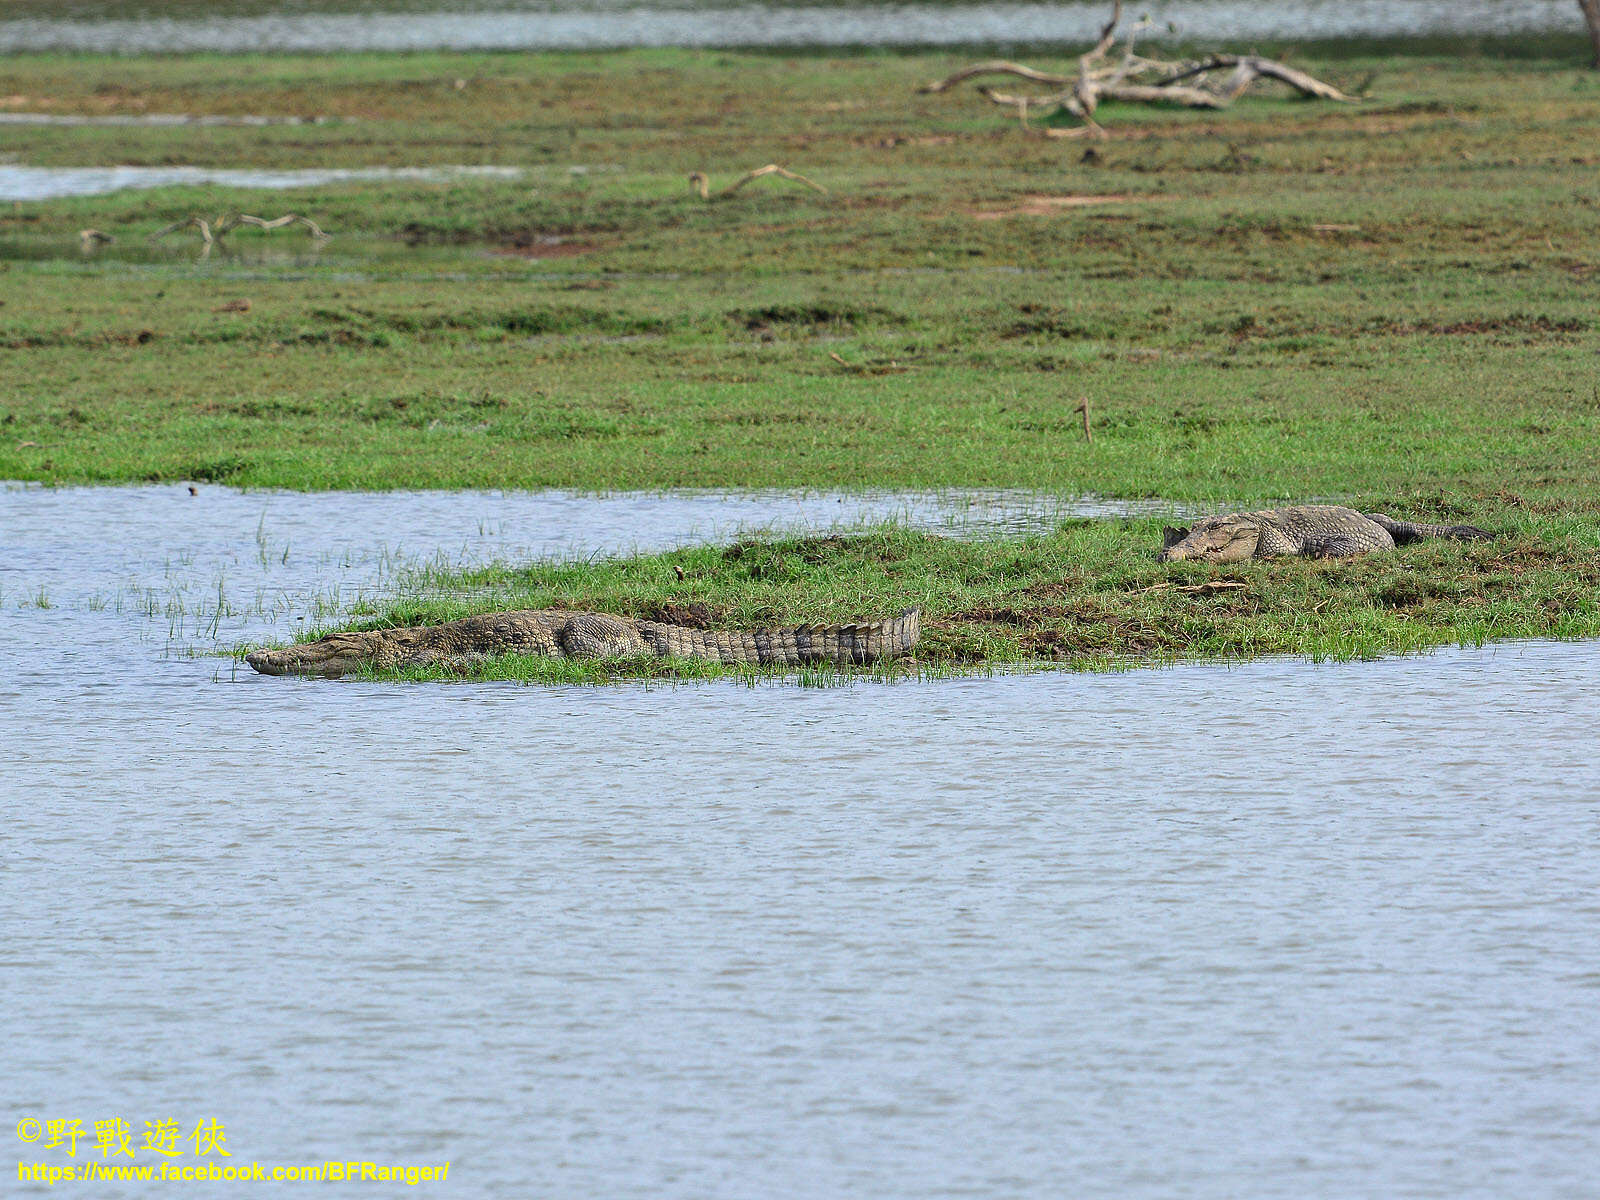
{"x": 1276, "y": 930}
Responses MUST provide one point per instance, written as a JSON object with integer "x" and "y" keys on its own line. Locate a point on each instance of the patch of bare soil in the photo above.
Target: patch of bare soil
{"x": 1048, "y": 206}
{"x": 895, "y": 140}
{"x": 546, "y": 247}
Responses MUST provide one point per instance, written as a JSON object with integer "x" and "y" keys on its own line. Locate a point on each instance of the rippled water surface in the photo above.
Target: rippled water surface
{"x": 592, "y": 25}
{"x": 45, "y": 183}
{"x": 1284, "y": 929}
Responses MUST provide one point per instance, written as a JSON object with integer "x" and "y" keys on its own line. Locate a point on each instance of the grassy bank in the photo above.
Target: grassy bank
{"x": 1390, "y": 302}
{"x": 1088, "y": 595}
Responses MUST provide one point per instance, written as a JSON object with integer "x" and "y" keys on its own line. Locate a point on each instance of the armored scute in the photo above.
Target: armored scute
{"x": 1308, "y": 530}
{"x": 557, "y": 633}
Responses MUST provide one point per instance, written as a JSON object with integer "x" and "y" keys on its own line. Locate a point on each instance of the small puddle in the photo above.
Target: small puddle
{"x": 45, "y": 183}
{"x": 546, "y": 247}
{"x": 158, "y": 120}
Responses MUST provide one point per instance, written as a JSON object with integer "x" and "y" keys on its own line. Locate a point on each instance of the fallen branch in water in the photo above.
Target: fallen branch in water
{"x": 210, "y": 232}
{"x": 200, "y": 223}
{"x": 1134, "y": 79}
{"x": 701, "y": 182}
{"x": 312, "y": 227}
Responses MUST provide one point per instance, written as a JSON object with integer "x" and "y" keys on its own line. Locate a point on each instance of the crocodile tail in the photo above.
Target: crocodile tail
{"x": 1405, "y": 532}
{"x": 893, "y": 637}
{"x": 792, "y": 647}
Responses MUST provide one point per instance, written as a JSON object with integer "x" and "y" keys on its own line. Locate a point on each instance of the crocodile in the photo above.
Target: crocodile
{"x": 1309, "y": 530}
{"x": 560, "y": 633}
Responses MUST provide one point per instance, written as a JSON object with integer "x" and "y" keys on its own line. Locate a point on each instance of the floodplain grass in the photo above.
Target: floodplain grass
{"x": 1389, "y": 304}
{"x": 1280, "y": 301}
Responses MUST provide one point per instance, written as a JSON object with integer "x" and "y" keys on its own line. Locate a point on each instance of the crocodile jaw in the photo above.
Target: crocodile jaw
{"x": 314, "y": 658}
{"x": 1219, "y": 540}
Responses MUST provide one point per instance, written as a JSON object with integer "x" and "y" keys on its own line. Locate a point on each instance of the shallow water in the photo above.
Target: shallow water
{"x": 200, "y": 573}
{"x": 1283, "y": 929}
{"x": 611, "y": 25}
{"x": 155, "y": 120}
{"x": 44, "y": 183}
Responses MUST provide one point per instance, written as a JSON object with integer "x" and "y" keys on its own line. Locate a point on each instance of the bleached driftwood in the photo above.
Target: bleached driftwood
{"x": 312, "y": 227}
{"x": 214, "y": 231}
{"x": 1134, "y": 78}
{"x": 200, "y": 223}
{"x": 701, "y": 182}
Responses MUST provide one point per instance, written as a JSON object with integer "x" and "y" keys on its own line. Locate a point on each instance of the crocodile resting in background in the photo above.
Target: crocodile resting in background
{"x": 559, "y": 633}
{"x": 1310, "y": 530}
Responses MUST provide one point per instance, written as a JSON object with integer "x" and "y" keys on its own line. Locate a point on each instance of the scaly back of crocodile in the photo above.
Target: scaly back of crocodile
{"x": 1312, "y": 530}
{"x": 563, "y": 633}
{"x": 843, "y": 644}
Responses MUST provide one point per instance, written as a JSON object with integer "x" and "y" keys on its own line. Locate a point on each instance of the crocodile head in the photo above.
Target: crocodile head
{"x": 336, "y": 654}
{"x": 1215, "y": 539}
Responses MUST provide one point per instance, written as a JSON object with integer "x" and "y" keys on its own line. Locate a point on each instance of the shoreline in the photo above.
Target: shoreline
{"x": 1088, "y": 596}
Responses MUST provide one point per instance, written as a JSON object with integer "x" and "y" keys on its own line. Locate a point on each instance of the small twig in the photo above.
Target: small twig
{"x": 894, "y": 367}
{"x": 1207, "y": 588}
{"x": 995, "y": 67}
{"x": 312, "y": 227}
{"x": 1083, "y": 408}
{"x": 210, "y": 233}
{"x": 199, "y": 223}
{"x": 701, "y": 182}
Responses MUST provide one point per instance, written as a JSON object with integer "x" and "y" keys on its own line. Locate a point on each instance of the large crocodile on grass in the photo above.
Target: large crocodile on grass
{"x": 1309, "y": 530}
{"x": 558, "y": 633}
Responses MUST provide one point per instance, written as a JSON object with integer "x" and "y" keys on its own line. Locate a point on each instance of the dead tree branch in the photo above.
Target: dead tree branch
{"x": 1248, "y": 67}
{"x": 234, "y": 222}
{"x": 200, "y": 223}
{"x": 995, "y": 67}
{"x": 1133, "y": 78}
{"x": 701, "y": 182}
{"x": 214, "y": 231}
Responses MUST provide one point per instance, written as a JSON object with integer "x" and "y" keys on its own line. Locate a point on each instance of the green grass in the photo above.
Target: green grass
{"x": 1088, "y": 595}
{"x": 1291, "y": 300}
{"x": 1390, "y": 303}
